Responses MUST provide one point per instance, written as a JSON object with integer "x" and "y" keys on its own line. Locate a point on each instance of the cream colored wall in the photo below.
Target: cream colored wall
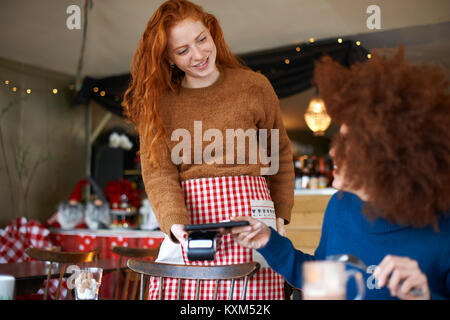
{"x": 42, "y": 146}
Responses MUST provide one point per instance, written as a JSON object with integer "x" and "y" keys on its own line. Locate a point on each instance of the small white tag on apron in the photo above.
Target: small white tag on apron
{"x": 264, "y": 211}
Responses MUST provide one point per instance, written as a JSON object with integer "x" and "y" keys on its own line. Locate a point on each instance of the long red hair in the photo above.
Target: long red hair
{"x": 152, "y": 74}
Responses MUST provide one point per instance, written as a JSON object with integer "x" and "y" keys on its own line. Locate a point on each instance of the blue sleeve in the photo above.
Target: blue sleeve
{"x": 284, "y": 259}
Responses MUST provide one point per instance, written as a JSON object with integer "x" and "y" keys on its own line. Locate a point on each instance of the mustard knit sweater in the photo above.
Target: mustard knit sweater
{"x": 238, "y": 99}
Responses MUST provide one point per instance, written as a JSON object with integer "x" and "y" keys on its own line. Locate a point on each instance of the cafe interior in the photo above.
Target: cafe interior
{"x": 66, "y": 147}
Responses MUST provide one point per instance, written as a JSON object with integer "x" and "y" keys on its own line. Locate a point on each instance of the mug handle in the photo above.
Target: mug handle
{"x": 359, "y": 281}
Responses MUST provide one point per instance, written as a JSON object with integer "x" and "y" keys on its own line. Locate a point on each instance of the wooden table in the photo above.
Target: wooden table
{"x": 30, "y": 275}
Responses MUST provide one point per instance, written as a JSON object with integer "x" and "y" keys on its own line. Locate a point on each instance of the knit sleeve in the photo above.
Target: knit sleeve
{"x": 163, "y": 188}
{"x": 280, "y": 176}
{"x": 283, "y": 258}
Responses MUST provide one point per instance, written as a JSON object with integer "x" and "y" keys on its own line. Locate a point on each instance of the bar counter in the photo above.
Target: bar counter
{"x": 305, "y": 227}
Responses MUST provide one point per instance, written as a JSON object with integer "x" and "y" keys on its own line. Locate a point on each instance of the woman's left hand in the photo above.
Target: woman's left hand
{"x": 400, "y": 275}
{"x": 280, "y": 227}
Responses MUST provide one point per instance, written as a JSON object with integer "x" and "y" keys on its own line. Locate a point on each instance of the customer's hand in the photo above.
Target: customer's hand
{"x": 254, "y": 236}
{"x": 179, "y": 233}
{"x": 400, "y": 275}
{"x": 280, "y": 227}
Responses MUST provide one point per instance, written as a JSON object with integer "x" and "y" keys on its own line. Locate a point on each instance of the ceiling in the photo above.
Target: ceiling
{"x": 35, "y": 32}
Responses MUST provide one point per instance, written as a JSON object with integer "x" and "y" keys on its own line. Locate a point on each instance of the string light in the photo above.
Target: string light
{"x": 116, "y": 98}
{"x": 369, "y": 56}
{"x": 29, "y": 90}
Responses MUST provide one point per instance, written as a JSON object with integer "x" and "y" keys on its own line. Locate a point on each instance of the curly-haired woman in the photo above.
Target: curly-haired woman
{"x": 187, "y": 89}
{"x": 392, "y": 159}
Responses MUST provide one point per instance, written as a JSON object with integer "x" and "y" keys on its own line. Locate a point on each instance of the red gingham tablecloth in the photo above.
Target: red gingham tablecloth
{"x": 21, "y": 234}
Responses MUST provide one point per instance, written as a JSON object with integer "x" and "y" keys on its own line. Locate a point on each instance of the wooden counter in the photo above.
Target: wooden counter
{"x": 307, "y": 215}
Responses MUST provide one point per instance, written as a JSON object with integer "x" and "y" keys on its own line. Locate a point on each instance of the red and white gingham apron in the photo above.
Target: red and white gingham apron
{"x": 217, "y": 199}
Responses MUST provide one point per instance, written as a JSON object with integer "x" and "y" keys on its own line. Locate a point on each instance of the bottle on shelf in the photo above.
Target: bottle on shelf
{"x": 306, "y": 174}
{"x": 323, "y": 180}
{"x": 298, "y": 167}
{"x": 314, "y": 176}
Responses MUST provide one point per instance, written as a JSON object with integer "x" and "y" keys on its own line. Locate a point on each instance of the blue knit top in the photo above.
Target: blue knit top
{"x": 346, "y": 230}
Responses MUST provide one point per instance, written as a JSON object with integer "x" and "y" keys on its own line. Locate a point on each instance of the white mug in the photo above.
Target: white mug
{"x": 327, "y": 280}
{"x": 7, "y": 283}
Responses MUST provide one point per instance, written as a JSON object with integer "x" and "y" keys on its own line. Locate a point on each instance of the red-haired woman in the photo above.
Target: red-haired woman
{"x": 393, "y": 169}
{"x": 188, "y": 89}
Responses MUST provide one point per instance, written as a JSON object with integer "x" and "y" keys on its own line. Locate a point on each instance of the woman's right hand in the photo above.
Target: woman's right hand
{"x": 179, "y": 233}
{"x": 254, "y": 236}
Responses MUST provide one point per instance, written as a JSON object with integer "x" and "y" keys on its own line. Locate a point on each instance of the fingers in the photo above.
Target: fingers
{"x": 253, "y": 236}
{"x": 401, "y": 275}
{"x": 253, "y": 223}
{"x": 418, "y": 283}
{"x": 253, "y": 239}
{"x": 387, "y": 266}
{"x": 179, "y": 233}
{"x": 397, "y": 277}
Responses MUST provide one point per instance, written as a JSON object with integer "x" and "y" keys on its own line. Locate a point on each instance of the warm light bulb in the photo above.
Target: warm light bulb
{"x": 95, "y": 89}
{"x": 316, "y": 117}
{"x": 6, "y": 81}
{"x": 55, "y": 91}
{"x": 287, "y": 61}
{"x": 358, "y": 43}
{"x": 28, "y": 91}
{"x": 340, "y": 40}
{"x": 317, "y": 107}
{"x": 297, "y": 49}
{"x": 369, "y": 56}
{"x": 311, "y": 40}
{"x": 102, "y": 93}
{"x": 14, "y": 89}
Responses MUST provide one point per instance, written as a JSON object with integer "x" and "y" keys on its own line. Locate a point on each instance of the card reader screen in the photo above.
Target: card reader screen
{"x": 203, "y": 243}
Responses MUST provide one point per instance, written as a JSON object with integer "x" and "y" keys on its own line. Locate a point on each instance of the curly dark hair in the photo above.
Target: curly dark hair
{"x": 397, "y": 148}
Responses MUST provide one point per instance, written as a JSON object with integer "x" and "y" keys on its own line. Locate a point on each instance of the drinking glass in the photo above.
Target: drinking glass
{"x": 87, "y": 283}
{"x": 327, "y": 280}
{"x": 7, "y": 284}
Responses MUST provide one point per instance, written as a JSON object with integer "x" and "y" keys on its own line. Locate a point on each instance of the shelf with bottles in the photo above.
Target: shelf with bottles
{"x": 313, "y": 172}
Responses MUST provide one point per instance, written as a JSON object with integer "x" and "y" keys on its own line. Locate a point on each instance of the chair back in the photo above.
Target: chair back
{"x": 198, "y": 273}
{"x": 62, "y": 258}
{"x": 128, "y": 252}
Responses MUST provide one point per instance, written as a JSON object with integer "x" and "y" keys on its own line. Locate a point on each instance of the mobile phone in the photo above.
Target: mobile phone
{"x": 212, "y": 226}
